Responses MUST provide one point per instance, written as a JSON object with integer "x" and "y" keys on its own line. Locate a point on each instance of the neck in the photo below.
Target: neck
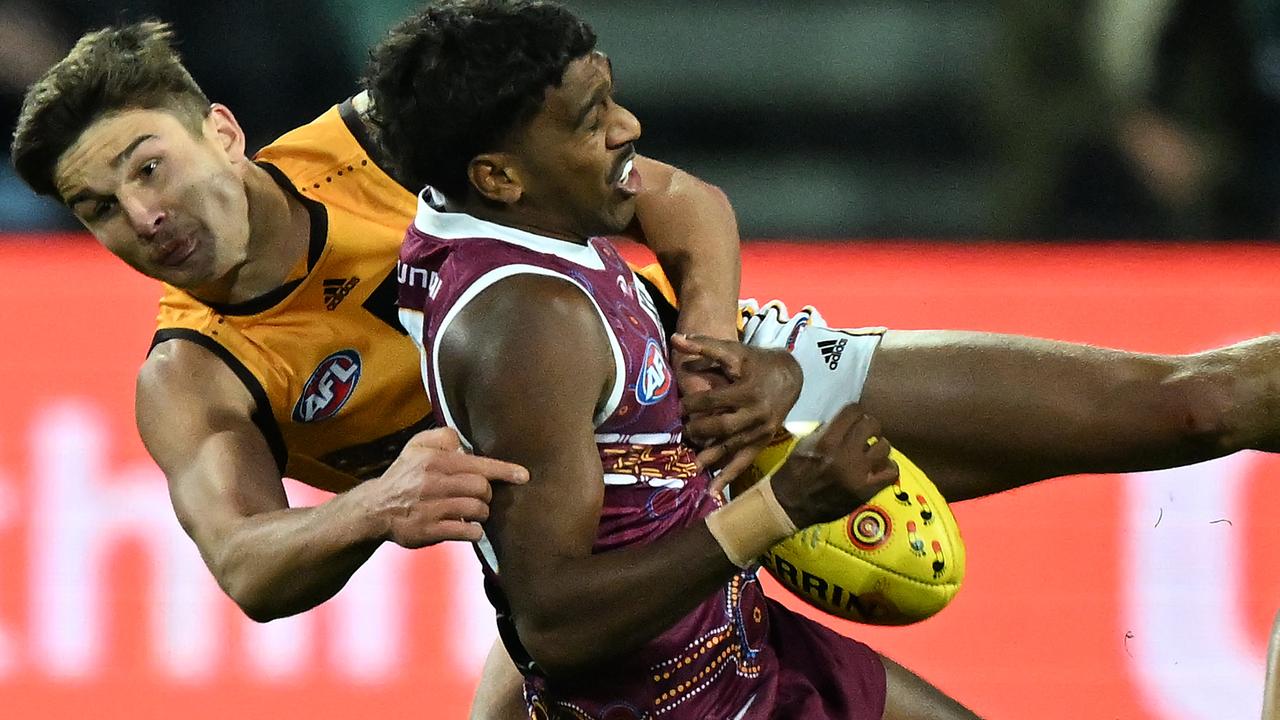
{"x": 518, "y": 219}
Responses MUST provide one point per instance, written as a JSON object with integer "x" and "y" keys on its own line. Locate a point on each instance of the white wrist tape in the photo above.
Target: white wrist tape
{"x": 750, "y": 524}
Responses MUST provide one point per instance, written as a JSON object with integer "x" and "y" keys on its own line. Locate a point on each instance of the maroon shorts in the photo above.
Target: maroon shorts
{"x": 822, "y": 675}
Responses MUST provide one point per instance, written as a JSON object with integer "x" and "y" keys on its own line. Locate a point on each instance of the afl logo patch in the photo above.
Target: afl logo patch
{"x": 869, "y": 527}
{"x": 655, "y": 377}
{"x": 329, "y": 387}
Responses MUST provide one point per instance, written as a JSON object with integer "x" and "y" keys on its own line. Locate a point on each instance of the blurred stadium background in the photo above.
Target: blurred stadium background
{"x": 1093, "y": 170}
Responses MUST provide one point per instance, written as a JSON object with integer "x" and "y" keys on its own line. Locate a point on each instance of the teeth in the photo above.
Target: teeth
{"x": 626, "y": 171}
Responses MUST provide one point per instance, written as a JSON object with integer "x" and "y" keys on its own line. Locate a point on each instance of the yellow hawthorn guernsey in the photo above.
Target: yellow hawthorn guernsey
{"x": 334, "y": 376}
{"x": 336, "y": 380}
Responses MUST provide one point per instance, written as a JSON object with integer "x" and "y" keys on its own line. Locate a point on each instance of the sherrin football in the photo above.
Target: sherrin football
{"x": 897, "y": 560}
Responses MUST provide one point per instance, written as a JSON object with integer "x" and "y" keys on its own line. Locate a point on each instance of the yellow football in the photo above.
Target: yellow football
{"x": 897, "y": 560}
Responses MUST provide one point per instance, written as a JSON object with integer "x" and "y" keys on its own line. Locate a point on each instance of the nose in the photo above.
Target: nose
{"x": 143, "y": 212}
{"x": 624, "y": 128}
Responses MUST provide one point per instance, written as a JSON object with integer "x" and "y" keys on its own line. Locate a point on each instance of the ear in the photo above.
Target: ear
{"x": 223, "y": 127}
{"x": 495, "y": 178}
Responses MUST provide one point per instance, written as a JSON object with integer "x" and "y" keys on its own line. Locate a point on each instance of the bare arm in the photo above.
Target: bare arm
{"x": 573, "y": 609}
{"x": 691, "y": 227}
{"x": 273, "y": 560}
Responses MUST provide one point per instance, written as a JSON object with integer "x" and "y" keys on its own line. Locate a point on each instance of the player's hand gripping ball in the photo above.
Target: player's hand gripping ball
{"x": 897, "y": 560}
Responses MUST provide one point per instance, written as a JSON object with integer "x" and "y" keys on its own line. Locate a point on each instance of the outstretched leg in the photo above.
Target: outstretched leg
{"x": 910, "y": 697}
{"x": 982, "y": 413}
{"x": 1271, "y": 681}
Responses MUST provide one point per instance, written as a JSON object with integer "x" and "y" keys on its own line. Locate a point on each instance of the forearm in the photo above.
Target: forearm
{"x": 691, "y": 228}
{"x": 580, "y": 612}
{"x": 284, "y": 562}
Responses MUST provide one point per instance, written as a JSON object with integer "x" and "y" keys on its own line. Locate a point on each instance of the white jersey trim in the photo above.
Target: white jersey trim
{"x": 458, "y": 226}
{"x": 486, "y": 281}
{"x": 639, "y": 438}
{"x": 624, "y": 479}
{"x": 743, "y": 712}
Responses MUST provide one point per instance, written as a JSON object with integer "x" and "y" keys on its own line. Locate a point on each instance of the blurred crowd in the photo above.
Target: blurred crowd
{"x": 1156, "y": 118}
{"x": 1090, "y": 119}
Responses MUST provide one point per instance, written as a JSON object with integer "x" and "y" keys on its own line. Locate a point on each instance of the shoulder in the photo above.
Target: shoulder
{"x": 177, "y": 309}
{"x": 523, "y": 318}
{"x": 530, "y": 348}
{"x": 181, "y": 375}
{"x": 332, "y": 157}
{"x": 530, "y": 302}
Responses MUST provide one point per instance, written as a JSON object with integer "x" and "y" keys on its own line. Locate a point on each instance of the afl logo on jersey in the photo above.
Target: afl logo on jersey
{"x": 655, "y": 376}
{"x": 329, "y": 387}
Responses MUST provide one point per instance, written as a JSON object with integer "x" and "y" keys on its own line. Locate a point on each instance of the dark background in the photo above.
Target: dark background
{"x": 1007, "y": 119}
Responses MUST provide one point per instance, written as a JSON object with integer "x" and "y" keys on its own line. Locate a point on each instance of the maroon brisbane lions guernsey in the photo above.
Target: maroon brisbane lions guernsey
{"x": 737, "y": 655}
{"x": 714, "y": 661}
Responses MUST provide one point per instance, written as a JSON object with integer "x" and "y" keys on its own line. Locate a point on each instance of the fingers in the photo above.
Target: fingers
{"x": 434, "y": 487}
{"x": 498, "y": 470}
{"x": 861, "y": 427}
{"x": 886, "y": 475}
{"x": 724, "y": 397}
{"x": 749, "y": 441}
{"x": 468, "y": 509}
{"x": 877, "y": 453}
{"x": 717, "y": 485}
{"x": 854, "y": 430}
{"x": 705, "y": 429}
{"x": 447, "y": 530}
{"x": 693, "y": 383}
{"x": 738, "y": 465}
{"x": 724, "y": 353}
{"x": 495, "y": 470}
{"x": 835, "y": 433}
{"x": 696, "y": 364}
{"x": 436, "y": 439}
{"x": 849, "y": 433}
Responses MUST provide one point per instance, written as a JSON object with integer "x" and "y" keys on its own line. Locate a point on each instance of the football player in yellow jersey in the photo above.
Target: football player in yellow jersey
{"x": 160, "y": 177}
{"x": 277, "y": 352}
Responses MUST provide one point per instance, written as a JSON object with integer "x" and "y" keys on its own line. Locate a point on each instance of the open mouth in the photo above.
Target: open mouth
{"x": 628, "y": 181}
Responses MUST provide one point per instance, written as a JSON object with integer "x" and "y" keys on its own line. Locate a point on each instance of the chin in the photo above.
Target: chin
{"x": 619, "y": 221}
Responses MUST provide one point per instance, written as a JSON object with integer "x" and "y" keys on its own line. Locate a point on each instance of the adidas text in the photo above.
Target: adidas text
{"x": 832, "y": 350}
{"x": 336, "y": 290}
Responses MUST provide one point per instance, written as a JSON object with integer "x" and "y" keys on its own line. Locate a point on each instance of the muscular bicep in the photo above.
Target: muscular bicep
{"x": 194, "y": 416}
{"x": 527, "y": 389}
{"x": 657, "y": 177}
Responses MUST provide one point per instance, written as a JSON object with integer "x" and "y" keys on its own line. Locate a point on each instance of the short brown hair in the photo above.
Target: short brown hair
{"x": 129, "y": 67}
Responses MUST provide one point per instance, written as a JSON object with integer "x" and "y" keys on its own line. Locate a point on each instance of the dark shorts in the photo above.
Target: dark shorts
{"x": 822, "y": 675}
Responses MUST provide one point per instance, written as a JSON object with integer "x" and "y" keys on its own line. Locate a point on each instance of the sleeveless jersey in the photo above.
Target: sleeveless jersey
{"x": 334, "y": 378}
{"x": 712, "y": 662}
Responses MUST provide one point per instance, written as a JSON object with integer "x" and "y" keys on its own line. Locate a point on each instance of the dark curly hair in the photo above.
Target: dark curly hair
{"x": 109, "y": 70}
{"x": 452, "y": 81}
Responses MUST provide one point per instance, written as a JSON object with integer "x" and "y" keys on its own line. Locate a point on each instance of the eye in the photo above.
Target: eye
{"x": 148, "y": 168}
{"x": 102, "y": 209}
{"x": 597, "y": 115}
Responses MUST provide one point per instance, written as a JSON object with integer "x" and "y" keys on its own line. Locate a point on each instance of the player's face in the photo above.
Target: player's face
{"x": 168, "y": 202}
{"x": 576, "y": 155}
